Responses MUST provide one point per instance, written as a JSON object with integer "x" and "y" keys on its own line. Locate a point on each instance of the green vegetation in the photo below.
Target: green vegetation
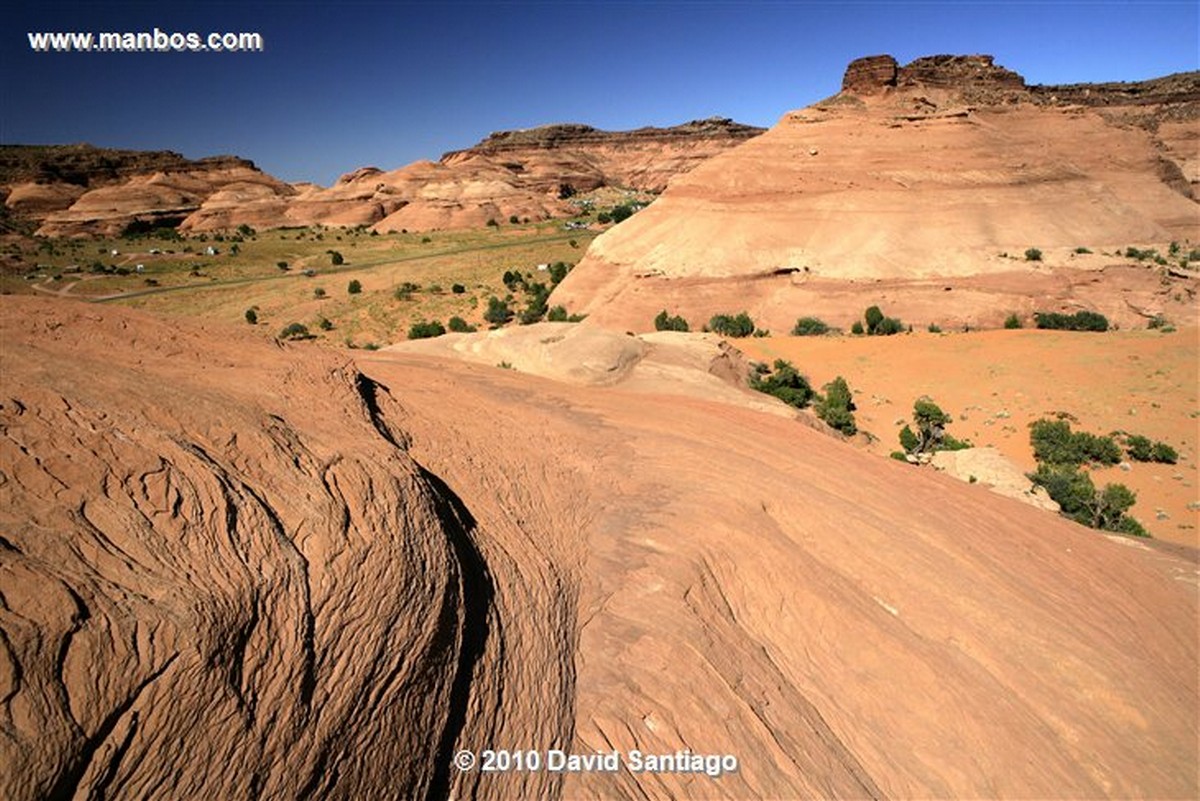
{"x": 665, "y": 322}
{"x": 784, "y": 382}
{"x": 878, "y": 324}
{"x": 857, "y": 329}
{"x": 335, "y": 258}
{"x": 405, "y": 291}
{"x": 426, "y": 330}
{"x": 318, "y": 292}
{"x": 354, "y": 287}
{"x": 1079, "y": 321}
{"x": 1033, "y": 254}
{"x": 810, "y": 327}
{"x": 1141, "y": 449}
{"x": 1060, "y": 452}
{"x": 1055, "y": 443}
{"x": 1073, "y": 490}
{"x": 460, "y": 326}
{"x": 295, "y": 331}
{"x": 739, "y": 325}
{"x": 498, "y": 313}
{"x": 251, "y": 316}
{"x": 934, "y": 328}
{"x": 1082, "y": 250}
{"x": 324, "y": 324}
{"x": 930, "y": 435}
{"x": 1012, "y": 321}
{"x": 458, "y": 289}
{"x": 837, "y": 407}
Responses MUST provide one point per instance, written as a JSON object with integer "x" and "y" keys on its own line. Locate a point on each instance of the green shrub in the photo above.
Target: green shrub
{"x": 931, "y": 434}
{"x": 535, "y": 307}
{"x": 603, "y": 218}
{"x": 425, "y": 330}
{"x": 909, "y": 440}
{"x": 899, "y": 456}
{"x": 665, "y": 322}
{"x": 513, "y": 219}
{"x": 559, "y": 271}
{"x": 810, "y": 327}
{"x": 354, "y": 287}
{"x": 732, "y": 326}
{"x": 335, "y": 258}
{"x": 405, "y": 291}
{"x": 1055, "y": 443}
{"x": 1139, "y": 447}
{"x": 460, "y": 326}
{"x": 889, "y": 326}
{"x": 1140, "y": 255}
{"x": 934, "y": 328}
{"x": 251, "y": 316}
{"x": 1162, "y": 452}
{"x": 318, "y": 292}
{"x": 295, "y": 331}
{"x": 557, "y": 314}
{"x": 1079, "y": 321}
{"x": 498, "y": 312}
{"x": 458, "y": 289}
{"x": 1082, "y": 250}
{"x": 1012, "y": 321}
{"x": 857, "y": 328}
{"x": 621, "y": 213}
{"x": 1079, "y": 500}
{"x": 492, "y": 223}
{"x": 283, "y": 265}
{"x": 1033, "y": 254}
{"x": 784, "y": 383}
{"x": 873, "y": 316}
{"x": 837, "y": 407}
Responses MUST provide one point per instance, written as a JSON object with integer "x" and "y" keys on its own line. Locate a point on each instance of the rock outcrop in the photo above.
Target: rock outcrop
{"x": 85, "y": 190}
{"x": 938, "y": 174}
{"x": 231, "y": 569}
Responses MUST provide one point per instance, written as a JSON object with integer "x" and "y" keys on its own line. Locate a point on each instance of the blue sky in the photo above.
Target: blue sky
{"x": 385, "y": 83}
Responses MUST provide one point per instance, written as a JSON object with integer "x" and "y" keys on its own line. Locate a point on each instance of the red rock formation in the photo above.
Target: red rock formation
{"x": 232, "y": 569}
{"x": 895, "y": 193}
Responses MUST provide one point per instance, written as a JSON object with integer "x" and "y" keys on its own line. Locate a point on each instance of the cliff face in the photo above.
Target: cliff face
{"x": 234, "y": 569}
{"x": 80, "y": 189}
{"x": 941, "y": 172}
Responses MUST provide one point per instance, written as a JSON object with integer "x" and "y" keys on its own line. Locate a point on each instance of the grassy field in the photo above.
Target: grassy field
{"x": 181, "y": 278}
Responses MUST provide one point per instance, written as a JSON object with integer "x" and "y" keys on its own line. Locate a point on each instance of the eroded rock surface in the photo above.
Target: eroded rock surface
{"x": 234, "y": 569}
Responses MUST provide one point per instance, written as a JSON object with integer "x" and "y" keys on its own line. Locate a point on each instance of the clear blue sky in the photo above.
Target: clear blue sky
{"x": 385, "y": 83}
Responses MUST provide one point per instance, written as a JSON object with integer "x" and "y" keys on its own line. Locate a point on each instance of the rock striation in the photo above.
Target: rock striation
{"x": 915, "y": 179}
{"x": 80, "y": 190}
{"x": 236, "y": 569}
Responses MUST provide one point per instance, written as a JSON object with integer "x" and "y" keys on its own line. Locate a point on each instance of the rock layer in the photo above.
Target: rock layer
{"x": 235, "y": 569}
{"x": 84, "y": 190}
{"x": 946, "y": 178}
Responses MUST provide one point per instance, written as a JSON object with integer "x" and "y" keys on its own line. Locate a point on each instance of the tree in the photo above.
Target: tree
{"x": 785, "y": 383}
{"x": 354, "y": 287}
{"x": 732, "y": 326}
{"x": 335, "y": 258}
{"x": 837, "y": 407}
{"x": 498, "y": 312}
{"x": 252, "y": 316}
{"x": 458, "y": 289}
{"x": 513, "y": 219}
{"x": 665, "y": 322}
{"x": 295, "y": 331}
{"x": 1033, "y": 254}
{"x": 810, "y": 327}
{"x": 1012, "y": 321}
{"x": 857, "y": 328}
{"x": 460, "y": 326}
{"x": 425, "y": 330}
{"x": 930, "y": 435}
{"x": 873, "y": 317}
{"x": 558, "y": 271}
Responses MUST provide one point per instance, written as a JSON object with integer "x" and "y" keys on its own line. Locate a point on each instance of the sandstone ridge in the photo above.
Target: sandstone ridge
{"x": 235, "y": 569}
{"x": 913, "y": 182}
{"x": 80, "y": 190}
